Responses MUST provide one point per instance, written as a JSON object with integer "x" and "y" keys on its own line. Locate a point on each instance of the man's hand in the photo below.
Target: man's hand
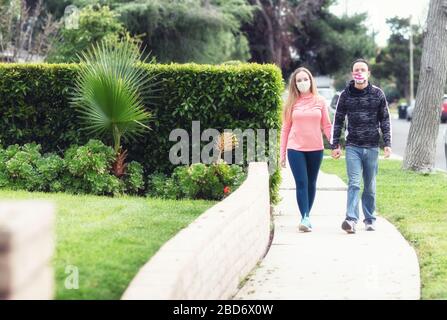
{"x": 387, "y": 152}
{"x": 283, "y": 163}
{"x": 336, "y": 153}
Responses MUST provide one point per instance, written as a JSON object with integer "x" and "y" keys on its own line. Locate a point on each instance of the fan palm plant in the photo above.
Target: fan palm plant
{"x": 109, "y": 94}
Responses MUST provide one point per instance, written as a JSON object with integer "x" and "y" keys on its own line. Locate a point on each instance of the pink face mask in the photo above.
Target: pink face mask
{"x": 360, "y": 77}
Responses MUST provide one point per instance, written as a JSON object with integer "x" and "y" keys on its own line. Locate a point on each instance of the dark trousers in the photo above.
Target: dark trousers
{"x": 305, "y": 167}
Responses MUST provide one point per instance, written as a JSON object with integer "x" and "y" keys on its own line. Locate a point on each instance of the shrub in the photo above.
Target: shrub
{"x": 88, "y": 169}
{"x": 21, "y": 167}
{"x": 84, "y": 169}
{"x": 160, "y": 185}
{"x": 50, "y": 169}
{"x": 198, "y": 181}
{"x": 24, "y": 167}
{"x": 3, "y": 173}
{"x": 92, "y": 157}
{"x": 134, "y": 178}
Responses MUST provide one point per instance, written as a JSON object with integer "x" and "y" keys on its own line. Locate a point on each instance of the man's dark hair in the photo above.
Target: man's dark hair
{"x": 359, "y": 60}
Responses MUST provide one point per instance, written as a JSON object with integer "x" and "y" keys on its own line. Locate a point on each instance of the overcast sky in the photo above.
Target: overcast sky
{"x": 379, "y": 10}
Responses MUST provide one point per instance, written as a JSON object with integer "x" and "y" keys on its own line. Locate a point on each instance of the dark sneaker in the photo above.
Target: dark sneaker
{"x": 305, "y": 225}
{"x": 348, "y": 226}
{"x": 370, "y": 226}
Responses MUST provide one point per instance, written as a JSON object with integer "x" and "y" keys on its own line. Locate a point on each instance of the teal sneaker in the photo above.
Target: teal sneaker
{"x": 305, "y": 225}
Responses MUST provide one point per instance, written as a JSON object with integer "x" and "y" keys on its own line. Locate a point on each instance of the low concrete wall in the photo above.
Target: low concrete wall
{"x": 26, "y": 249}
{"x": 209, "y": 258}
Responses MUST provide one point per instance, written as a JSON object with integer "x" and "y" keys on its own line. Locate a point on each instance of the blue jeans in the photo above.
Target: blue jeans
{"x": 361, "y": 162}
{"x": 305, "y": 167}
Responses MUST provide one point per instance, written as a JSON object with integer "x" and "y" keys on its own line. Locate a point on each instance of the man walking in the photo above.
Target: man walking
{"x": 366, "y": 109}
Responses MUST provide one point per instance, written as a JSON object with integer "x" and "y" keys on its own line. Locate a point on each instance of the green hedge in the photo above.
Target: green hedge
{"x": 34, "y": 106}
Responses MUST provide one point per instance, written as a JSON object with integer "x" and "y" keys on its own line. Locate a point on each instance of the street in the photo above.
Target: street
{"x": 400, "y": 134}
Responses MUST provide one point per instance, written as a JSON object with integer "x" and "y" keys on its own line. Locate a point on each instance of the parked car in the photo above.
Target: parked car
{"x": 402, "y": 110}
{"x": 410, "y": 110}
{"x": 444, "y": 109}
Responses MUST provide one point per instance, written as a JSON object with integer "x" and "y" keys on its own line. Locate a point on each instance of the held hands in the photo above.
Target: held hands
{"x": 336, "y": 153}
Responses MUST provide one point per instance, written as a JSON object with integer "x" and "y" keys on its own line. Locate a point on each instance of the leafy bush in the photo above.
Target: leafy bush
{"x": 84, "y": 169}
{"x": 24, "y": 167}
{"x": 198, "y": 181}
{"x": 88, "y": 169}
{"x": 50, "y": 169}
{"x": 3, "y": 173}
{"x": 160, "y": 185}
{"x": 93, "y": 157}
{"x": 134, "y": 178}
{"x": 21, "y": 166}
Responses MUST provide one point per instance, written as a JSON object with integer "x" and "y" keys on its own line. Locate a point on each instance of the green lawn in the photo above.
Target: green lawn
{"x": 417, "y": 206}
{"x": 109, "y": 239}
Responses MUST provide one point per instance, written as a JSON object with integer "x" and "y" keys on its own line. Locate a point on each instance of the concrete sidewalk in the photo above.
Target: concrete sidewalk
{"x": 328, "y": 263}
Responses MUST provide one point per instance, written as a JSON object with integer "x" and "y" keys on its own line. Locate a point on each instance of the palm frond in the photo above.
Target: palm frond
{"x": 110, "y": 90}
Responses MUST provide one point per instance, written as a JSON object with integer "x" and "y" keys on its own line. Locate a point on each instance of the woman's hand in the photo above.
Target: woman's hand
{"x": 283, "y": 163}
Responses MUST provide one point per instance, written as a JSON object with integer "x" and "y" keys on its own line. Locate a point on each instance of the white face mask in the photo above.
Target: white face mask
{"x": 303, "y": 86}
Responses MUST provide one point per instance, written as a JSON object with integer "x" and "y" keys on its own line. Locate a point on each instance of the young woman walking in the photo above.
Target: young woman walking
{"x": 305, "y": 117}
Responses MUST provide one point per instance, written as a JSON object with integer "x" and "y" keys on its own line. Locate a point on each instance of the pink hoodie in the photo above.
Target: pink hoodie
{"x": 310, "y": 118}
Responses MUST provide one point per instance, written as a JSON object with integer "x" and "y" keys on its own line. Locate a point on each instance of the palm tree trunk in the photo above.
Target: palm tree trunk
{"x": 116, "y": 139}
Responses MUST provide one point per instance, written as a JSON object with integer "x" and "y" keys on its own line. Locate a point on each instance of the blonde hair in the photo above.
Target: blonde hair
{"x": 294, "y": 93}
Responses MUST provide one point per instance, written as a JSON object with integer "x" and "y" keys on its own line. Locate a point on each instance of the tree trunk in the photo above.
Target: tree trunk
{"x": 269, "y": 33}
{"x": 279, "y": 18}
{"x": 421, "y": 146}
{"x": 280, "y": 39}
